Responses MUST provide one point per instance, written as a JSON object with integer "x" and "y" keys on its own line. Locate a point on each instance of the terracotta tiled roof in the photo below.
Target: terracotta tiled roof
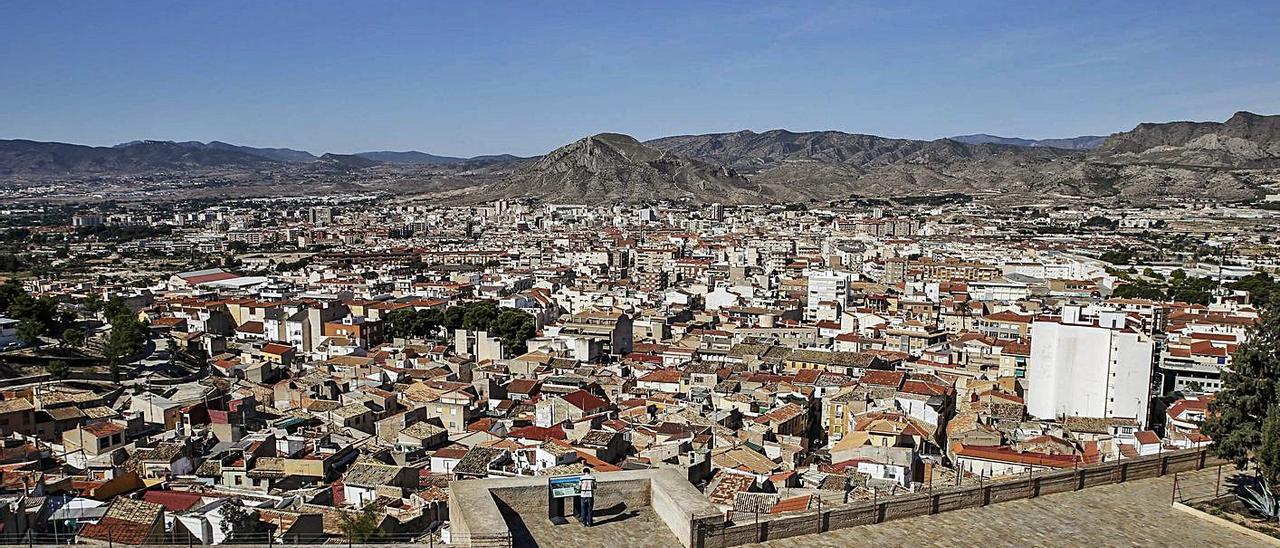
{"x": 1005, "y": 454}
{"x": 116, "y": 530}
{"x": 891, "y": 379}
{"x": 585, "y": 401}
{"x": 173, "y": 501}
{"x": 793, "y": 504}
{"x": 275, "y": 348}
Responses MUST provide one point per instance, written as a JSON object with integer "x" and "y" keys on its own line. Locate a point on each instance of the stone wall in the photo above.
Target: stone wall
{"x": 710, "y": 535}
{"x": 475, "y": 514}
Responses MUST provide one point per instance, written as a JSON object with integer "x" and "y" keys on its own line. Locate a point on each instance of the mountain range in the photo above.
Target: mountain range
{"x": 1235, "y": 159}
{"x": 25, "y": 157}
{"x": 1084, "y": 142}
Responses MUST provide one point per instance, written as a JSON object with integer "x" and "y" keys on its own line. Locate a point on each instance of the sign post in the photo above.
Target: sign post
{"x": 559, "y": 489}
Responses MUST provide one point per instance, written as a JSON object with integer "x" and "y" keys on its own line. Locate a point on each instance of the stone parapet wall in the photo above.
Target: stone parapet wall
{"x": 949, "y": 498}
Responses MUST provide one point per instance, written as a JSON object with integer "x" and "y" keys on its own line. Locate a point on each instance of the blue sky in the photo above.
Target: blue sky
{"x": 468, "y": 78}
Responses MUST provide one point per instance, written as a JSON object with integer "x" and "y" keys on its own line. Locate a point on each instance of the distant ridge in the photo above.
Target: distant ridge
{"x": 413, "y": 157}
{"x": 25, "y": 157}
{"x": 274, "y": 154}
{"x": 277, "y": 154}
{"x": 1084, "y": 142}
{"x": 409, "y": 157}
{"x": 21, "y": 157}
{"x": 345, "y": 161}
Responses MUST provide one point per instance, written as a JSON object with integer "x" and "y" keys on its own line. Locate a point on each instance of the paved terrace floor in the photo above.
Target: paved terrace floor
{"x": 614, "y": 527}
{"x": 1136, "y": 513}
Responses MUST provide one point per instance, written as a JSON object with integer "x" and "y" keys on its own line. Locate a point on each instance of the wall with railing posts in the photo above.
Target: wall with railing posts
{"x": 945, "y": 499}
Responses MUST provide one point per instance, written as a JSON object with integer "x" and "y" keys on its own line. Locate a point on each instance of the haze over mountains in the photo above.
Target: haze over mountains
{"x": 1235, "y": 159}
{"x": 1084, "y": 142}
{"x": 25, "y": 157}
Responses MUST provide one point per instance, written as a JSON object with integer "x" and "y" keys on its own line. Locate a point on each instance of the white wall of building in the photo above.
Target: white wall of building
{"x": 1082, "y": 370}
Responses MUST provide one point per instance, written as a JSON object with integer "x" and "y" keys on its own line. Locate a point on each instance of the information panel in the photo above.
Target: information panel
{"x": 564, "y": 486}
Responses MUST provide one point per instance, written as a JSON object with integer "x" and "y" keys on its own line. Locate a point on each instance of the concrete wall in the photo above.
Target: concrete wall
{"x": 947, "y": 499}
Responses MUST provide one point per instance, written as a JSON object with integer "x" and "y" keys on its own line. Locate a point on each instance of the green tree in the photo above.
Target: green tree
{"x": 1139, "y": 290}
{"x": 9, "y": 292}
{"x": 1249, "y": 393}
{"x": 171, "y": 349}
{"x": 58, "y": 369}
{"x": 127, "y": 337}
{"x": 965, "y": 310}
{"x": 29, "y": 331}
{"x": 243, "y": 526}
{"x": 10, "y": 263}
{"x": 407, "y": 323}
{"x": 453, "y": 317}
{"x": 113, "y": 308}
{"x": 42, "y": 310}
{"x": 479, "y": 316}
{"x": 73, "y": 338}
{"x": 1099, "y": 221}
{"x": 514, "y": 328}
{"x": 1268, "y": 453}
{"x": 1120, "y": 256}
{"x": 362, "y": 526}
{"x": 1262, "y": 288}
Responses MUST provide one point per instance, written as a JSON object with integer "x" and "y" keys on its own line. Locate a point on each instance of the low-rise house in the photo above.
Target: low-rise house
{"x": 423, "y": 435}
{"x": 17, "y": 415}
{"x": 569, "y": 407}
{"x": 127, "y": 521}
{"x": 364, "y": 482}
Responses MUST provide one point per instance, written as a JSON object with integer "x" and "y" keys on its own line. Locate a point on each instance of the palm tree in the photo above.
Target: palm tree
{"x": 964, "y": 309}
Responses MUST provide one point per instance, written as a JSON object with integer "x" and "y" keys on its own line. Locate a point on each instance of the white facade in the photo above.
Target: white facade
{"x": 1088, "y": 367}
{"x": 998, "y": 291}
{"x": 829, "y": 286}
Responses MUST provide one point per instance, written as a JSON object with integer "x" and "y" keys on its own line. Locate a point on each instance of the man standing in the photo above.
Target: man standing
{"x": 586, "y": 496}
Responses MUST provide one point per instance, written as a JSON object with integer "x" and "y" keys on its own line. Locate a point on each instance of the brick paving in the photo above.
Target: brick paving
{"x": 1136, "y": 513}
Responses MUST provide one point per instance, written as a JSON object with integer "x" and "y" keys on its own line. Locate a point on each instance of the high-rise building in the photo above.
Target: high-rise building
{"x": 322, "y": 215}
{"x": 826, "y": 286}
{"x": 1089, "y": 366}
{"x": 716, "y": 212}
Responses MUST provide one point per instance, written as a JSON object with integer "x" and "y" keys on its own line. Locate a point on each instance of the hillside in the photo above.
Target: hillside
{"x": 1246, "y": 140}
{"x": 613, "y": 167}
{"x": 1235, "y": 160}
{"x": 22, "y": 157}
{"x": 1084, "y": 142}
{"x": 410, "y": 157}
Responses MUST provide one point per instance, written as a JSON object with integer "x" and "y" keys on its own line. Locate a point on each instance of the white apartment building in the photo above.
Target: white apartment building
{"x": 826, "y": 286}
{"x": 1089, "y": 367}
